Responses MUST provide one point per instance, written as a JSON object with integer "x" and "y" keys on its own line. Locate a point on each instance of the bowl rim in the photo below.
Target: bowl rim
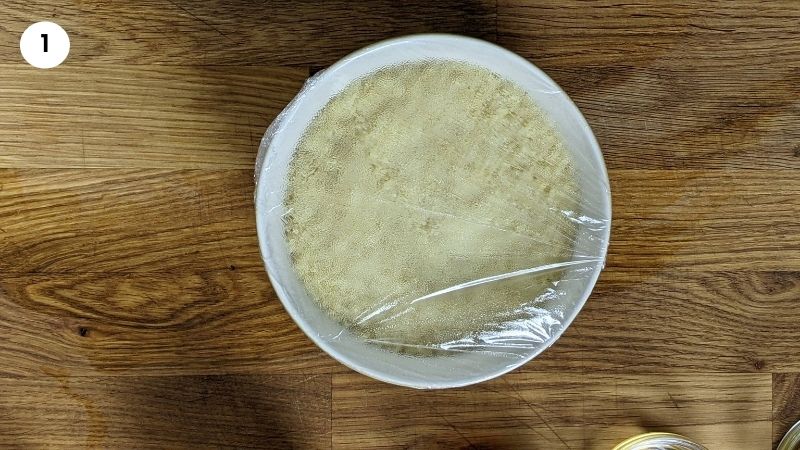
{"x": 265, "y": 149}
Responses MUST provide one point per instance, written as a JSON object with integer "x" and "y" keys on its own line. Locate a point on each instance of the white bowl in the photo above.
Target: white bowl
{"x": 465, "y": 367}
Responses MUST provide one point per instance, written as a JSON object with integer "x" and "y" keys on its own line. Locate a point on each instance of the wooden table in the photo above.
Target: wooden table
{"x": 135, "y": 311}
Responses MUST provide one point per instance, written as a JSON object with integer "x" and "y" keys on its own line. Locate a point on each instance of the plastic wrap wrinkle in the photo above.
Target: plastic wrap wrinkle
{"x": 503, "y": 276}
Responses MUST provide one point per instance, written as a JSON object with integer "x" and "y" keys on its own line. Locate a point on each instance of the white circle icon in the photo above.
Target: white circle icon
{"x": 44, "y": 45}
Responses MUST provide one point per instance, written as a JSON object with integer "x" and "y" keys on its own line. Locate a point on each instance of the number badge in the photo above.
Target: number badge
{"x": 44, "y": 45}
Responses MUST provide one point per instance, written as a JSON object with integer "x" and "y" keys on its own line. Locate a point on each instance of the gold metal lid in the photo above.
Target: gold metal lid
{"x": 791, "y": 440}
{"x": 659, "y": 441}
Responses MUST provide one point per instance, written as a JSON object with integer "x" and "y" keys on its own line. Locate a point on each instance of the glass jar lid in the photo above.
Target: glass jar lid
{"x": 659, "y": 441}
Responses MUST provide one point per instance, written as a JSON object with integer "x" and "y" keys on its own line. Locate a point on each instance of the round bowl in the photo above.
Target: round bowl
{"x": 463, "y": 367}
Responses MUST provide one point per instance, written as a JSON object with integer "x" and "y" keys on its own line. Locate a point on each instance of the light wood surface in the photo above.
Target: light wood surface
{"x": 107, "y": 115}
{"x": 249, "y": 411}
{"x": 135, "y": 311}
{"x": 555, "y": 410}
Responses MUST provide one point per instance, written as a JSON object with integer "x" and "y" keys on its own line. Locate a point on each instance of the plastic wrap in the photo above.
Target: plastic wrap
{"x": 433, "y": 211}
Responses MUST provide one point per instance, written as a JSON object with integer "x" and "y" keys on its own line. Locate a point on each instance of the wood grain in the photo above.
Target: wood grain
{"x": 147, "y": 220}
{"x": 193, "y": 227}
{"x": 554, "y": 411}
{"x": 220, "y": 32}
{"x": 59, "y": 411}
{"x": 690, "y": 118}
{"x": 710, "y": 35}
{"x": 641, "y": 321}
{"x": 705, "y": 220}
{"x": 785, "y": 404}
{"x": 672, "y": 84}
{"x": 134, "y": 307}
{"x": 139, "y": 116}
{"x": 636, "y": 322}
{"x": 132, "y": 220}
{"x": 150, "y": 324}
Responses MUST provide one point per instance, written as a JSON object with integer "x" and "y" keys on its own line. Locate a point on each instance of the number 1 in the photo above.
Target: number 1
{"x": 44, "y": 36}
